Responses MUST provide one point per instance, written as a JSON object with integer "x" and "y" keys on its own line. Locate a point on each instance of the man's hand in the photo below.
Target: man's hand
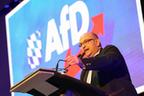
{"x": 74, "y": 60}
{"x": 71, "y": 60}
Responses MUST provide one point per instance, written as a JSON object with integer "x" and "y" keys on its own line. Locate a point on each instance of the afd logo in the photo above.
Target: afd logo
{"x": 57, "y": 35}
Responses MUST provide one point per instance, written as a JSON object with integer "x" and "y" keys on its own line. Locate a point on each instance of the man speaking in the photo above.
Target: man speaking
{"x": 104, "y": 68}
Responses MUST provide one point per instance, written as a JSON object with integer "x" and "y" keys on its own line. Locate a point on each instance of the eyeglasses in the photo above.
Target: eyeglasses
{"x": 85, "y": 42}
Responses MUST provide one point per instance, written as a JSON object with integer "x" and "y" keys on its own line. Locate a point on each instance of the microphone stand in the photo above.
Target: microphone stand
{"x": 57, "y": 65}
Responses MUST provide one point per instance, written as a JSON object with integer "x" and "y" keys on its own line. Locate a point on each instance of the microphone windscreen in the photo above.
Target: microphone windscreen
{"x": 81, "y": 55}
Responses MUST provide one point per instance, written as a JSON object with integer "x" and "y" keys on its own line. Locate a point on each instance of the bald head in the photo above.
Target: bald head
{"x": 88, "y": 35}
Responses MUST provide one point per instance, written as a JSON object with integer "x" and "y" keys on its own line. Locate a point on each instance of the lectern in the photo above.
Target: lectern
{"x": 45, "y": 82}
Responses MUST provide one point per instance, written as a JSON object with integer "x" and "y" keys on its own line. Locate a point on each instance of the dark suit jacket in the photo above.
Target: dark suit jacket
{"x": 109, "y": 73}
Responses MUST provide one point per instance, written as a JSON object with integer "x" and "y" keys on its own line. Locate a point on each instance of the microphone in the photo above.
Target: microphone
{"x": 80, "y": 56}
{"x": 66, "y": 69}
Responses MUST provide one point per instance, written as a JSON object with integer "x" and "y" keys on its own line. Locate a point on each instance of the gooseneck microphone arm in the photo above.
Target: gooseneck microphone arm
{"x": 57, "y": 65}
{"x": 80, "y": 56}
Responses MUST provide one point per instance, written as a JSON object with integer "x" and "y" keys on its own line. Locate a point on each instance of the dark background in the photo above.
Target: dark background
{"x": 5, "y": 7}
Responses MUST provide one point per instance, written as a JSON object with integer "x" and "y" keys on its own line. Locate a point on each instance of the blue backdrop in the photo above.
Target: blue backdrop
{"x": 39, "y": 33}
